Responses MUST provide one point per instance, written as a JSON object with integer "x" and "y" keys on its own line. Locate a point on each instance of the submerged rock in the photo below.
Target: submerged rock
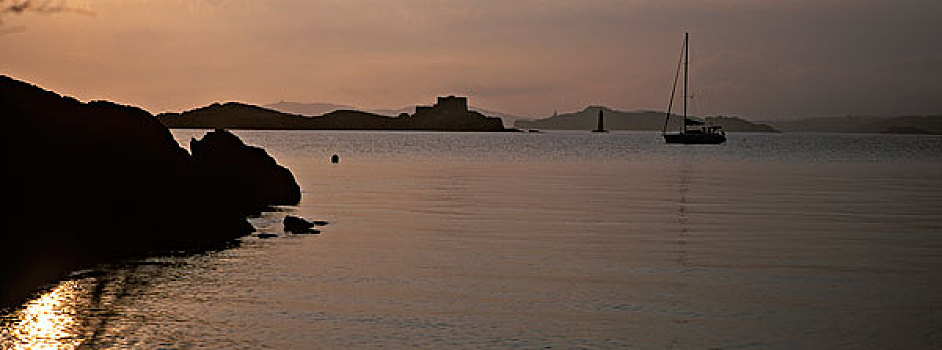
{"x": 297, "y": 225}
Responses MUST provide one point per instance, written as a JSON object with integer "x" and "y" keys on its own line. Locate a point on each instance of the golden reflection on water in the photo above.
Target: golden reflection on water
{"x": 47, "y": 322}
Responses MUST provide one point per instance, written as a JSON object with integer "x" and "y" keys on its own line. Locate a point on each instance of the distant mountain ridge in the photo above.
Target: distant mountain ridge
{"x": 636, "y": 120}
{"x": 448, "y": 114}
{"x": 929, "y": 124}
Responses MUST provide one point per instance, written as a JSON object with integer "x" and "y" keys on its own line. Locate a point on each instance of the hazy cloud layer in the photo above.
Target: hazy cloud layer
{"x": 761, "y": 59}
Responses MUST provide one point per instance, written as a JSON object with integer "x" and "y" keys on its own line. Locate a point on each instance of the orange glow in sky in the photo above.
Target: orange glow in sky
{"x": 759, "y": 59}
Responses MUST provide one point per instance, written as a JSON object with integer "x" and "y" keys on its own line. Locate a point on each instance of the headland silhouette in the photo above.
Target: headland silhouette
{"x": 120, "y": 187}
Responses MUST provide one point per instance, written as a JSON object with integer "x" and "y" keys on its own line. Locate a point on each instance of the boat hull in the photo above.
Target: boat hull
{"x": 695, "y": 139}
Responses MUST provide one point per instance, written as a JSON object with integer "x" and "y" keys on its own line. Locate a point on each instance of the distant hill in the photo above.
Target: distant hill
{"x": 865, "y": 124}
{"x": 449, "y": 114}
{"x": 824, "y": 124}
{"x": 311, "y": 109}
{"x": 931, "y": 124}
{"x": 233, "y": 115}
{"x": 635, "y": 120}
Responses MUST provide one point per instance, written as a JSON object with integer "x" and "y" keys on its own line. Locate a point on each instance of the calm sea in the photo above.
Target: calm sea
{"x": 554, "y": 240}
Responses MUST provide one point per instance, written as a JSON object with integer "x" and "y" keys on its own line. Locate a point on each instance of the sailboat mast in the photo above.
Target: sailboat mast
{"x": 670, "y": 103}
{"x": 686, "y": 60}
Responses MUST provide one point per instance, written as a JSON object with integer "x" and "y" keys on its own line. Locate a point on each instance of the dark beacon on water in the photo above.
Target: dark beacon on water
{"x": 601, "y": 124}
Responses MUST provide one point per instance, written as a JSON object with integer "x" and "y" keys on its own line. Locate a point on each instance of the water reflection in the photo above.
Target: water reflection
{"x": 78, "y": 313}
{"x": 48, "y": 322}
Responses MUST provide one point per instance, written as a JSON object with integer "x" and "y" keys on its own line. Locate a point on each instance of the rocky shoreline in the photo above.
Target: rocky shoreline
{"x": 93, "y": 182}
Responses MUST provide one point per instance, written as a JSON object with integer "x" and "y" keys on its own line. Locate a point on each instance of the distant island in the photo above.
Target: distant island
{"x": 454, "y": 114}
{"x": 926, "y": 125}
{"x": 450, "y": 113}
{"x": 654, "y": 120}
{"x": 314, "y": 109}
{"x": 637, "y": 120}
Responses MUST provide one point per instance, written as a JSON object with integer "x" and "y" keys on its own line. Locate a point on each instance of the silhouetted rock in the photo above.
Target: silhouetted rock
{"x": 116, "y": 184}
{"x": 449, "y": 114}
{"x": 244, "y": 177}
{"x": 297, "y": 225}
{"x": 300, "y": 226}
{"x": 266, "y": 235}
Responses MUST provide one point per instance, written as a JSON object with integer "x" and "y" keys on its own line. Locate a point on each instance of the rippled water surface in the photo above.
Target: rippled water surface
{"x": 561, "y": 240}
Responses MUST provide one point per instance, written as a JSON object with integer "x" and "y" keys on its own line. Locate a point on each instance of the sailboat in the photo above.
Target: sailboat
{"x": 601, "y": 126}
{"x": 702, "y": 135}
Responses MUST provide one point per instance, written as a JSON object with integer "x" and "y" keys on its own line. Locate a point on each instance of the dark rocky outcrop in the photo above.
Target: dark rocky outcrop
{"x": 92, "y": 182}
{"x": 244, "y": 177}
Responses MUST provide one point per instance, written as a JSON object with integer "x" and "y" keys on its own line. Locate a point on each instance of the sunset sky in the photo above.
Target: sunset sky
{"x": 761, "y": 59}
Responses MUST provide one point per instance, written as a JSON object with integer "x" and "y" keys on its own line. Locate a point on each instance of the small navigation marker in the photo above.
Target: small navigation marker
{"x": 601, "y": 127}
